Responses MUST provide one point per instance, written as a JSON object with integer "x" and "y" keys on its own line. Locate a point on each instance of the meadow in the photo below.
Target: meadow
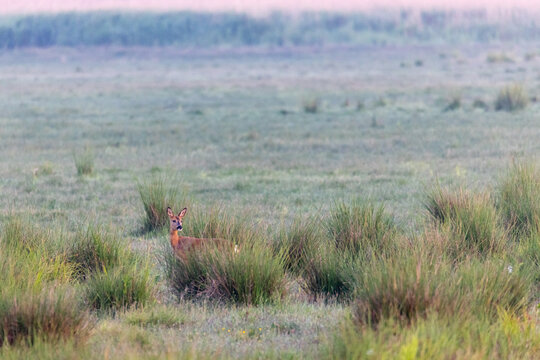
{"x": 386, "y": 201}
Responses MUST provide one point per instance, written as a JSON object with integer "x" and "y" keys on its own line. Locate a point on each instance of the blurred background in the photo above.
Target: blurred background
{"x": 277, "y": 107}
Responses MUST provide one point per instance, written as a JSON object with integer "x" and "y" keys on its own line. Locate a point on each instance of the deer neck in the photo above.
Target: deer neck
{"x": 175, "y": 239}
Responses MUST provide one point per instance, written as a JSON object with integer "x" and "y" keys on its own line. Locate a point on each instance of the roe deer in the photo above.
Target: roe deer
{"x": 182, "y": 244}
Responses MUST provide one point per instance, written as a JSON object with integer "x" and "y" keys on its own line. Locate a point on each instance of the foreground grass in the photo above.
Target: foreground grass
{"x": 37, "y": 296}
{"x": 511, "y": 336}
{"x": 474, "y": 267}
{"x": 197, "y": 331}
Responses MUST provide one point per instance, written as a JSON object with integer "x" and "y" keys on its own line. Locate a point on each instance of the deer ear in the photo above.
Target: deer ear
{"x": 170, "y": 213}
{"x": 182, "y": 213}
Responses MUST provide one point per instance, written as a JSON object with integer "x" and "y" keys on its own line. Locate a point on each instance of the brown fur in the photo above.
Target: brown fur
{"x": 182, "y": 244}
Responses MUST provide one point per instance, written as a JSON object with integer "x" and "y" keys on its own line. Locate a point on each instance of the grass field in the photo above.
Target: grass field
{"x": 291, "y": 146}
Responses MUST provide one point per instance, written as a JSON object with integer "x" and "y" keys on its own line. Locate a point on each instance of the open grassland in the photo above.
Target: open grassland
{"x": 386, "y": 202}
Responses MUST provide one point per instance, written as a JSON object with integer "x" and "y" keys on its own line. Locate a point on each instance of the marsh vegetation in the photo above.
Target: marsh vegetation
{"x": 402, "y": 225}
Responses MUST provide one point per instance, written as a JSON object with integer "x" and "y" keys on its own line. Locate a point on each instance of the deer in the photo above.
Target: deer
{"x": 182, "y": 244}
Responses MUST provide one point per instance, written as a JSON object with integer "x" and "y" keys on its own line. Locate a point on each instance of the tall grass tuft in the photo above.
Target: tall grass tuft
{"x": 95, "y": 249}
{"x": 311, "y": 106}
{"x": 511, "y": 98}
{"x": 24, "y": 233}
{"x": 441, "y": 203}
{"x": 330, "y": 272}
{"x": 470, "y": 221}
{"x": 298, "y": 241}
{"x": 253, "y": 276}
{"x": 403, "y": 288}
{"x": 187, "y": 277}
{"x": 409, "y": 287}
{"x": 51, "y": 314}
{"x": 29, "y": 256}
{"x": 361, "y": 227}
{"x": 156, "y": 195}
{"x": 36, "y": 299}
{"x": 219, "y": 222}
{"x": 84, "y": 161}
{"x": 120, "y": 287}
{"x": 519, "y": 199}
{"x": 114, "y": 275}
{"x": 489, "y": 286}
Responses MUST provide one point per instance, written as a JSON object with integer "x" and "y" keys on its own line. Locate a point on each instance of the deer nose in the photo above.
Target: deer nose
{"x": 179, "y": 227}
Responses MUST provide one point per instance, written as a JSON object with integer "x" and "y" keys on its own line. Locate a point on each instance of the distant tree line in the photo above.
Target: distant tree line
{"x": 277, "y": 29}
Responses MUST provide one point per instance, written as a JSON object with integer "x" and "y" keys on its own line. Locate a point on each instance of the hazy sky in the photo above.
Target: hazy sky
{"x": 23, "y": 6}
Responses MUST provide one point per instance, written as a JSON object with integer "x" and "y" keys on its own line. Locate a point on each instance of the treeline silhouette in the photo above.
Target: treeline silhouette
{"x": 276, "y": 29}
